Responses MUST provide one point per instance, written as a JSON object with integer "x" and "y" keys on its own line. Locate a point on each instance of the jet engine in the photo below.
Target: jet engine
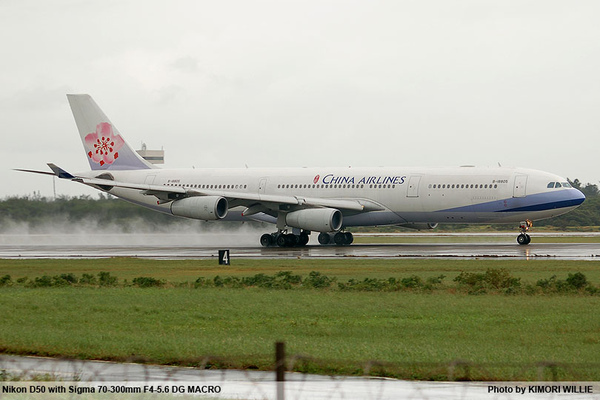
{"x": 423, "y": 226}
{"x": 201, "y": 207}
{"x": 315, "y": 219}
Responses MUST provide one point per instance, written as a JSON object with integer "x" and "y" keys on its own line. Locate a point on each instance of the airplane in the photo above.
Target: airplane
{"x": 299, "y": 201}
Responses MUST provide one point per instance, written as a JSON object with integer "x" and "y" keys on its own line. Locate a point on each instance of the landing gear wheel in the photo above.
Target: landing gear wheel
{"x": 266, "y": 240}
{"x": 324, "y": 238}
{"x": 523, "y": 239}
{"x": 339, "y": 238}
{"x": 303, "y": 239}
{"x": 348, "y": 238}
{"x": 292, "y": 240}
{"x": 281, "y": 240}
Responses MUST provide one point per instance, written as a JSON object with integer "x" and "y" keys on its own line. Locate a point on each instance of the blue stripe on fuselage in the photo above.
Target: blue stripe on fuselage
{"x": 535, "y": 202}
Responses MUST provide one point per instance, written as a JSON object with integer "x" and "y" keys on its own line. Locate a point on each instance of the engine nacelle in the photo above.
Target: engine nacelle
{"x": 421, "y": 226}
{"x": 315, "y": 219}
{"x": 201, "y": 207}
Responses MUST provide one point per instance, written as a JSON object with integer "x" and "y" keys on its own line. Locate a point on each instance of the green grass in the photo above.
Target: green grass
{"x": 344, "y": 269}
{"x": 181, "y": 325}
{"x": 418, "y": 333}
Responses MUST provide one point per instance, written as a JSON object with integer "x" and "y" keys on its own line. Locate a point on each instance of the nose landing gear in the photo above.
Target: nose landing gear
{"x": 524, "y": 238}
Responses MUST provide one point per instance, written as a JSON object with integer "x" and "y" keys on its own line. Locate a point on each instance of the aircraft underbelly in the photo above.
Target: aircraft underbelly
{"x": 374, "y": 218}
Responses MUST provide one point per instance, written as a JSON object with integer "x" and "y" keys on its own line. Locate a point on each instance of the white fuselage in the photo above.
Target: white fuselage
{"x": 397, "y": 195}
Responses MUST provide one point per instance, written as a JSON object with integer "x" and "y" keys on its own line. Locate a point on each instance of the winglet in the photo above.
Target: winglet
{"x": 61, "y": 173}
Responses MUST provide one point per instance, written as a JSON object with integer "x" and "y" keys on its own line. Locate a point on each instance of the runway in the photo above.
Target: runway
{"x": 202, "y": 246}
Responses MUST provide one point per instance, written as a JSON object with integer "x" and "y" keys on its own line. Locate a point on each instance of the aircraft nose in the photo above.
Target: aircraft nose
{"x": 577, "y": 197}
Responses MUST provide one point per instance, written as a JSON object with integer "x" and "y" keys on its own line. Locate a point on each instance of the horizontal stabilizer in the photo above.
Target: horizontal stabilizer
{"x": 33, "y": 171}
{"x": 56, "y": 171}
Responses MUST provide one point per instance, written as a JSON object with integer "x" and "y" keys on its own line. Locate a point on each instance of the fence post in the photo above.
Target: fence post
{"x": 280, "y": 368}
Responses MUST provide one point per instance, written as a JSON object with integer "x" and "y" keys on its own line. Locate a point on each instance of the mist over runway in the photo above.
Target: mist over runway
{"x": 243, "y": 245}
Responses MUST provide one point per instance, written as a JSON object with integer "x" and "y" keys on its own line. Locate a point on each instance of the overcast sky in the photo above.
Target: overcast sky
{"x": 304, "y": 83}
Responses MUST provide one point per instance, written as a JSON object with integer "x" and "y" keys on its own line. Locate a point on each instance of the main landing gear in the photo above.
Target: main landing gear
{"x": 338, "y": 238}
{"x": 524, "y": 238}
{"x": 284, "y": 239}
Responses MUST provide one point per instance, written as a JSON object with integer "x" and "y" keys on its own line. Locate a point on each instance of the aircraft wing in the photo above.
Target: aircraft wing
{"x": 172, "y": 192}
{"x": 259, "y": 201}
{"x": 167, "y": 193}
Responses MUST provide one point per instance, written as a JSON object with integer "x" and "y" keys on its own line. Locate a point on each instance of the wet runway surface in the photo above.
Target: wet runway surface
{"x": 207, "y": 246}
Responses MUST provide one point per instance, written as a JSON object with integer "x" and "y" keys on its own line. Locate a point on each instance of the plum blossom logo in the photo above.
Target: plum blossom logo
{"x": 103, "y": 145}
{"x": 316, "y": 179}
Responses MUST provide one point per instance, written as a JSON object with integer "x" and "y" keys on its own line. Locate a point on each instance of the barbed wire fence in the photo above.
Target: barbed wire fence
{"x": 292, "y": 379}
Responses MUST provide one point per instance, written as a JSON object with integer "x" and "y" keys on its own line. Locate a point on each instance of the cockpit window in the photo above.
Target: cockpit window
{"x": 559, "y": 184}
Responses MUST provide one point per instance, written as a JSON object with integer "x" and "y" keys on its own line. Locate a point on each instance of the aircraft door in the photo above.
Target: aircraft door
{"x": 413, "y": 186}
{"x": 520, "y": 189}
{"x": 150, "y": 179}
{"x": 262, "y": 185}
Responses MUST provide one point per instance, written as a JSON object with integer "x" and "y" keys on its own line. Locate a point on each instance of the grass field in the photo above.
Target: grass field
{"x": 416, "y": 331}
{"x": 347, "y": 268}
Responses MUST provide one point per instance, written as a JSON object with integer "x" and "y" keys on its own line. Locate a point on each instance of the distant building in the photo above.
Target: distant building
{"x": 152, "y": 156}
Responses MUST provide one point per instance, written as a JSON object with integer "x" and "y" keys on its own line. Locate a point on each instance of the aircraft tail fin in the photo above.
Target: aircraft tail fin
{"x": 105, "y": 147}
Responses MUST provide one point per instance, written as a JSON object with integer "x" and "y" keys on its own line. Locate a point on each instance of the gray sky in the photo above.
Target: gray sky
{"x": 304, "y": 83}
